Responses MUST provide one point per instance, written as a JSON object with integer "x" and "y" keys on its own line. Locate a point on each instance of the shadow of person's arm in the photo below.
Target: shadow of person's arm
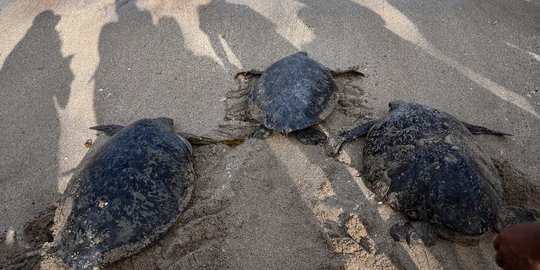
{"x": 63, "y": 92}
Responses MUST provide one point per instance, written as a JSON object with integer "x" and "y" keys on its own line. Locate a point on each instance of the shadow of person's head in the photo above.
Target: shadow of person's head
{"x": 125, "y": 7}
{"x": 46, "y": 19}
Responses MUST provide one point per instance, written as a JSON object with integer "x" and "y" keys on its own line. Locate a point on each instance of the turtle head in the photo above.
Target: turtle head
{"x": 166, "y": 121}
{"x": 395, "y": 104}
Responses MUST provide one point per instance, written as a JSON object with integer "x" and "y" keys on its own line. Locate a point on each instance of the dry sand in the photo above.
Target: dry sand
{"x": 274, "y": 203}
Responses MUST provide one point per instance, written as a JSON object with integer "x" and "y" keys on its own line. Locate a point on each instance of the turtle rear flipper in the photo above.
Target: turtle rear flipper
{"x": 418, "y": 232}
{"x": 421, "y": 232}
{"x": 413, "y": 233}
{"x": 454, "y": 236}
{"x": 474, "y": 129}
{"x": 260, "y": 133}
{"x": 108, "y": 130}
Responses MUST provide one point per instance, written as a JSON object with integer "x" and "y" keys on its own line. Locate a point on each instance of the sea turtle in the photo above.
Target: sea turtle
{"x": 127, "y": 195}
{"x": 294, "y": 94}
{"x": 425, "y": 164}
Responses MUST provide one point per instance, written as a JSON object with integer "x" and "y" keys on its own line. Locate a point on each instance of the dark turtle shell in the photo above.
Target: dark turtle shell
{"x": 294, "y": 93}
{"x": 128, "y": 194}
{"x": 424, "y": 163}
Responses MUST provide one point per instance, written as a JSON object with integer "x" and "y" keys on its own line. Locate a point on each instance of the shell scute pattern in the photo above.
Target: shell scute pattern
{"x": 127, "y": 195}
{"x": 294, "y": 93}
{"x": 424, "y": 163}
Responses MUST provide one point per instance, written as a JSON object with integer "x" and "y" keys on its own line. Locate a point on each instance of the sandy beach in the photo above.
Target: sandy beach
{"x": 273, "y": 203}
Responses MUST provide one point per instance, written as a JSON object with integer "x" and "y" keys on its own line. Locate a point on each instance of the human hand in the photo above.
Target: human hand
{"x": 518, "y": 247}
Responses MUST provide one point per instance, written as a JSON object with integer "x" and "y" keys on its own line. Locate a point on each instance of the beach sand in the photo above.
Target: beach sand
{"x": 273, "y": 203}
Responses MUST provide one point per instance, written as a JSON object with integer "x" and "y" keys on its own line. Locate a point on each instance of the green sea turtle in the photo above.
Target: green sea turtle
{"x": 425, "y": 164}
{"x": 127, "y": 195}
{"x": 294, "y": 94}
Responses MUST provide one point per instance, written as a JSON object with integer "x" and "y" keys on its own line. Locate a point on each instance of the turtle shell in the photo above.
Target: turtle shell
{"x": 294, "y": 93}
{"x": 424, "y": 163}
{"x": 128, "y": 194}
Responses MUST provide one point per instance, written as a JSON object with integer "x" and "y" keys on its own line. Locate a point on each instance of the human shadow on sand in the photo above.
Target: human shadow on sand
{"x": 35, "y": 83}
{"x": 146, "y": 71}
{"x": 239, "y": 33}
{"x": 498, "y": 60}
{"x": 382, "y": 49}
{"x": 143, "y": 71}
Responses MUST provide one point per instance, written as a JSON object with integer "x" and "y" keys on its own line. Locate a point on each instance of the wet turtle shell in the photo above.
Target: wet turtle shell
{"x": 127, "y": 195}
{"x": 294, "y": 93}
{"x": 425, "y": 164}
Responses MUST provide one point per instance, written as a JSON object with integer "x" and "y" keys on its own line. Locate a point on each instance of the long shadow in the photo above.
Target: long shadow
{"x": 245, "y": 39}
{"x": 411, "y": 72}
{"x": 35, "y": 79}
{"x": 495, "y": 41}
{"x": 142, "y": 64}
{"x": 349, "y": 32}
{"x": 480, "y": 35}
{"x": 384, "y": 50}
{"x": 141, "y": 72}
{"x": 247, "y": 35}
{"x": 146, "y": 71}
{"x": 281, "y": 231}
{"x": 253, "y": 41}
{"x": 362, "y": 30}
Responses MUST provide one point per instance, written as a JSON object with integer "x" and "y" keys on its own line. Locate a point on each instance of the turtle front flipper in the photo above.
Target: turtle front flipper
{"x": 425, "y": 233}
{"x": 252, "y": 73}
{"x": 413, "y": 233}
{"x": 352, "y": 72}
{"x": 350, "y": 135}
{"x": 474, "y": 129}
{"x": 201, "y": 140}
{"x": 108, "y": 130}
